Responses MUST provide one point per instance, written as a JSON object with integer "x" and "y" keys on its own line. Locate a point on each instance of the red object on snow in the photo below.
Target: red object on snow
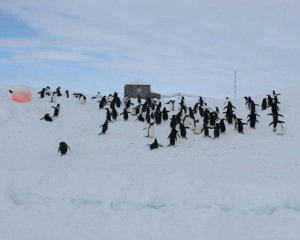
{"x": 21, "y": 95}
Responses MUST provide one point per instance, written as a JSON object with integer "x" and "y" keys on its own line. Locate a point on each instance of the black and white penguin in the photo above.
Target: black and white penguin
{"x": 108, "y": 114}
{"x": 205, "y": 129}
{"x": 222, "y": 125}
{"x": 140, "y": 118}
{"x": 53, "y": 97}
{"x": 154, "y": 144}
{"x": 114, "y": 113}
{"x": 42, "y": 93}
{"x": 125, "y": 114}
{"x": 63, "y": 148}
{"x": 264, "y": 104}
{"x": 82, "y": 98}
{"x": 150, "y": 130}
{"x": 173, "y": 137}
{"x": 217, "y": 130}
{"x": 198, "y": 126}
{"x": 172, "y": 105}
{"x": 240, "y": 125}
{"x": 252, "y": 119}
{"x": 56, "y": 110}
{"x": 67, "y": 94}
{"x": 97, "y": 96}
{"x": 183, "y": 128}
{"x": 58, "y": 92}
{"x": 102, "y": 102}
{"x": 47, "y": 118}
{"x": 104, "y": 127}
{"x": 165, "y": 115}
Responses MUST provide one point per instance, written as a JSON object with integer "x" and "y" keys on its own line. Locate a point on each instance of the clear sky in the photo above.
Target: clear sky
{"x": 191, "y": 46}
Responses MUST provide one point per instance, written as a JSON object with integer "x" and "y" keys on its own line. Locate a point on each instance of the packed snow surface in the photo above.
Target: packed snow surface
{"x": 112, "y": 186}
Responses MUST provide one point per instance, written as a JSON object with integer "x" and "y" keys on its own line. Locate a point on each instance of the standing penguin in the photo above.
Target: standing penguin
{"x": 173, "y": 136}
{"x": 198, "y": 126}
{"x": 264, "y": 104}
{"x": 217, "y": 130}
{"x": 104, "y": 127}
{"x": 222, "y": 125}
{"x": 63, "y": 148}
{"x": 56, "y": 110}
{"x": 150, "y": 130}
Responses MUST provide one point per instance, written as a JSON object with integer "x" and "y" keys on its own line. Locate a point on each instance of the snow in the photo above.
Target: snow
{"x": 240, "y": 186}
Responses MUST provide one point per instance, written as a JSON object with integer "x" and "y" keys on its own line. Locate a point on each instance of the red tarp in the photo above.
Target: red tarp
{"x": 21, "y": 95}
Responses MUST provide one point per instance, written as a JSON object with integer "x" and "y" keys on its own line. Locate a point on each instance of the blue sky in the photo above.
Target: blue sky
{"x": 176, "y": 46}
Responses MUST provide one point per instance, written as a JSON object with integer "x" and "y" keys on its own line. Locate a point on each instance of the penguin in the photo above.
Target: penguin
{"x": 56, "y": 110}
{"x": 198, "y": 127}
{"x": 67, "y": 93}
{"x": 53, "y": 97}
{"x": 186, "y": 121}
{"x": 58, "y": 92}
{"x": 173, "y": 137}
{"x": 270, "y": 100}
{"x": 42, "y": 93}
{"x": 125, "y": 114}
{"x": 102, "y": 102}
{"x": 104, "y": 127}
{"x": 47, "y": 118}
{"x": 140, "y": 118}
{"x": 150, "y": 130}
{"x": 222, "y": 125}
{"x": 157, "y": 116}
{"x": 165, "y": 114}
{"x": 172, "y": 105}
{"x": 217, "y": 130}
{"x": 108, "y": 114}
{"x": 205, "y": 129}
{"x": 114, "y": 113}
{"x": 240, "y": 125}
{"x": 252, "y": 119}
{"x": 82, "y": 99}
{"x": 98, "y": 96}
{"x": 10, "y": 91}
{"x": 63, "y": 148}
{"x": 154, "y": 144}
{"x": 264, "y": 104}
{"x": 183, "y": 128}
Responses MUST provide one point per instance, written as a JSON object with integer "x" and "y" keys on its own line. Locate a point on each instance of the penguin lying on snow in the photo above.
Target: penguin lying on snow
{"x": 47, "y": 118}
{"x": 63, "y": 148}
{"x": 154, "y": 144}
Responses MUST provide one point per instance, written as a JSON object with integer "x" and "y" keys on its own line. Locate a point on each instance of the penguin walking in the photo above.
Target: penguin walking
{"x": 47, "y": 118}
{"x": 53, "y": 97}
{"x": 63, "y": 148}
{"x": 104, "y": 127}
{"x": 125, "y": 114}
{"x": 205, "y": 129}
{"x": 154, "y": 144}
{"x": 56, "y": 110}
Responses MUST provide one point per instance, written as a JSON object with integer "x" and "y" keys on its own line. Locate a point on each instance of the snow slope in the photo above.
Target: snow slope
{"x": 240, "y": 186}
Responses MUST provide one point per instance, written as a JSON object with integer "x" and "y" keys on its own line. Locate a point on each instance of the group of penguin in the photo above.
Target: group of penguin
{"x": 200, "y": 118}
